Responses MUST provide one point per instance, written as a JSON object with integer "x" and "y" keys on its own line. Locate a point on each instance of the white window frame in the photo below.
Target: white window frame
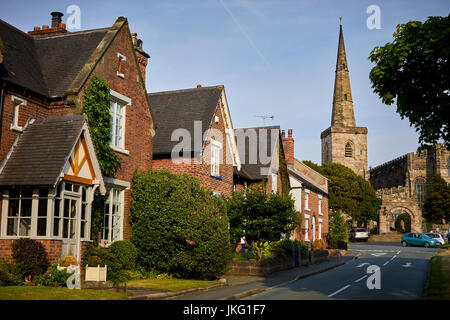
{"x": 215, "y": 150}
{"x": 307, "y": 200}
{"x": 17, "y": 102}
{"x": 320, "y": 228}
{"x": 116, "y": 196}
{"x": 306, "y": 227}
{"x": 274, "y": 177}
{"x": 320, "y": 205}
{"x": 121, "y": 58}
{"x": 123, "y": 101}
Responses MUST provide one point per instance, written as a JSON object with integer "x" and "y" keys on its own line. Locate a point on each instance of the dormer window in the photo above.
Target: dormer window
{"x": 122, "y": 60}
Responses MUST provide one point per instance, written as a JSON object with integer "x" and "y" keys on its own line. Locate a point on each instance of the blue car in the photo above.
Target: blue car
{"x": 419, "y": 239}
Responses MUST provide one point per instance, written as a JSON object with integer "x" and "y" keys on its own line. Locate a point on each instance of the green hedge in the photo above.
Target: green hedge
{"x": 178, "y": 226}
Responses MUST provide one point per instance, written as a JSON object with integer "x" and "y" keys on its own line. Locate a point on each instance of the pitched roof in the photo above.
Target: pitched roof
{"x": 309, "y": 177}
{"x": 46, "y": 65}
{"x": 254, "y": 169}
{"x": 179, "y": 109}
{"x": 41, "y": 151}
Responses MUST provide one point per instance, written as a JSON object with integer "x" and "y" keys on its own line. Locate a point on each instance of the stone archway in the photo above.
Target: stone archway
{"x": 394, "y": 216}
{"x": 390, "y": 211}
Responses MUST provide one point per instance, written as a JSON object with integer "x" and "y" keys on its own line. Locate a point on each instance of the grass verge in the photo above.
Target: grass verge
{"x": 171, "y": 285}
{"x": 57, "y": 293}
{"x": 438, "y": 287}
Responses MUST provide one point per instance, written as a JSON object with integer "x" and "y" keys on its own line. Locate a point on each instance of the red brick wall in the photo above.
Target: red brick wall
{"x": 202, "y": 171}
{"x": 53, "y": 248}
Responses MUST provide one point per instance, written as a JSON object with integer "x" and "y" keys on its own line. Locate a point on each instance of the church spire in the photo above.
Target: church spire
{"x": 343, "y": 113}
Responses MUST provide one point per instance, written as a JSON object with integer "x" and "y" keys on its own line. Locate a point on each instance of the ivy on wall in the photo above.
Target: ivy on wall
{"x": 96, "y": 108}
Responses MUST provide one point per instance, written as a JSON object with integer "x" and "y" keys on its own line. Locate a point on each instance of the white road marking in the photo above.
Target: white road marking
{"x": 393, "y": 257}
{"x": 385, "y": 263}
{"x": 342, "y": 289}
{"x": 361, "y": 278}
{"x": 407, "y": 265}
{"x": 378, "y": 254}
{"x": 398, "y": 252}
{"x": 362, "y": 264}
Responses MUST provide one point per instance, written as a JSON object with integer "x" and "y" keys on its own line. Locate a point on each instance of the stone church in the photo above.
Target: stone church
{"x": 400, "y": 183}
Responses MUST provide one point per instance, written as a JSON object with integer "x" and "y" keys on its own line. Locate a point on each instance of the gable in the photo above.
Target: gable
{"x": 79, "y": 167}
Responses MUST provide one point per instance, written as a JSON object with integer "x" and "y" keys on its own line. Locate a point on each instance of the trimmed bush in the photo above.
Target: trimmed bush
{"x": 30, "y": 257}
{"x": 319, "y": 244}
{"x": 179, "y": 227}
{"x": 125, "y": 254}
{"x": 69, "y": 261}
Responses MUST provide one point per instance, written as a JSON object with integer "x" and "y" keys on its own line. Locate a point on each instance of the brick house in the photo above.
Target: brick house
{"x": 262, "y": 159}
{"x": 309, "y": 189}
{"x": 196, "y": 123}
{"x": 49, "y": 173}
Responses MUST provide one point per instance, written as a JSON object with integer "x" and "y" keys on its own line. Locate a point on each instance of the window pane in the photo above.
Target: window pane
{"x": 25, "y": 210}
{"x": 14, "y": 193}
{"x": 83, "y": 194}
{"x": 68, "y": 186}
{"x": 43, "y": 193}
{"x": 65, "y": 228}
{"x": 12, "y": 227}
{"x": 24, "y": 227}
{"x": 42, "y": 208}
{"x": 42, "y": 227}
{"x": 27, "y": 193}
{"x": 66, "y": 208}
{"x": 13, "y": 210}
{"x": 83, "y": 227}
{"x": 56, "y": 227}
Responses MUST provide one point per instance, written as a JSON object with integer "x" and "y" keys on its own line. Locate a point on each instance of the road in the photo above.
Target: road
{"x": 403, "y": 273}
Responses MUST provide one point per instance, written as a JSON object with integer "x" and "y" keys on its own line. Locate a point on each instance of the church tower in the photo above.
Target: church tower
{"x": 343, "y": 142}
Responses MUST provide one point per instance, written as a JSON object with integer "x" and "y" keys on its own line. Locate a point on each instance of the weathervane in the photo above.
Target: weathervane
{"x": 340, "y": 20}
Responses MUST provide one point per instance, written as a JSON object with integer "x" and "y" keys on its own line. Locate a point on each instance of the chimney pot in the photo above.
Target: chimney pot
{"x": 56, "y": 18}
{"x": 283, "y": 134}
{"x": 44, "y": 27}
{"x": 199, "y": 86}
{"x": 290, "y": 133}
{"x": 134, "y": 35}
{"x": 37, "y": 28}
{"x": 62, "y": 26}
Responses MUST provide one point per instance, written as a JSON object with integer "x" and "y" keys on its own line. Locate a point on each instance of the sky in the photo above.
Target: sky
{"x": 275, "y": 58}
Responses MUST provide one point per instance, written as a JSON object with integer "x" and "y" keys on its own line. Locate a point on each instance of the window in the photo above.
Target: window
{"x": 17, "y": 102}
{"x": 57, "y": 212}
{"x": 274, "y": 182}
{"x": 343, "y": 67}
{"x": 348, "y": 150}
{"x": 306, "y": 227}
{"x": 19, "y": 212}
{"x": 112, "y": 223}
{"x": 84, "y": 214}
{"x": 117, "y": 124}
{"x": 215, "y": 157}
{"x": 307, "y": 200}
{"x": 320, "y": 228}
{"x": 320, "y": 205}
{"x": 420, "y": 189}
{"x": 42, "y": 213}
{"x": 122, "y": 59}
{"x": 345, "y": 97}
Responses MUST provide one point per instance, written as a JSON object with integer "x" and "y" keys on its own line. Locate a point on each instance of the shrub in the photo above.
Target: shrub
{"x": 179, "y": 227}
{"x": 94, "y": 261}
{"x": 403, "y": 223}
{"x": 341, "y": 244}
{"x": 30, "y": 257}
{"x": 319, "y": 244}
{"x": 337, "y": 229}
{"x": 68, "y": 261}
{"x": 53, "y": 277}
{"x": 125, "y": 254}
{"x": 9, "y": 276}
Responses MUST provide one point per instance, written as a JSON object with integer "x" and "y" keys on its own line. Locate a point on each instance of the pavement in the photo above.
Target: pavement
{"x": 239, "y": 287}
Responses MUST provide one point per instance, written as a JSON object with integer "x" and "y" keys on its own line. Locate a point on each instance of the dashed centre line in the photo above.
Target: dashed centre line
{"x": 336, "y": 292}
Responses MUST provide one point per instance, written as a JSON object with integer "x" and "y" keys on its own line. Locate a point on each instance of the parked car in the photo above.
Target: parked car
{"x": 419, "y": 239}
{"x": 358, "y": 234}
{"x": 436, "y": 236}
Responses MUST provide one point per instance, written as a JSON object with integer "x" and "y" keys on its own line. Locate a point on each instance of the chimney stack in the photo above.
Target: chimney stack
{"x": 57, "y": 27}
{"x": 141, "y": 55}
{"x": 288, "y": 146}
{"x": 199, "y": 86}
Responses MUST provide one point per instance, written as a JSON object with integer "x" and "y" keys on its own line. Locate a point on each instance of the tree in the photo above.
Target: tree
{"x": 258, "y": 216}
{"x": 178, "y": 226}
{"x": 436, "y": 206}
{"x": 403, "y": 223}
{"x": 337, "y": 229}
{"x": 413, "y": 71}
{"x": 349, "y": 192}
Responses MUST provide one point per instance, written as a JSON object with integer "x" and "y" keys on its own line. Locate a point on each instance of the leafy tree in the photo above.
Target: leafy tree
{"x": 259, "y": 216}
{"x": 349, "y": 192}
{"x": 436, "y": 206}
{"x": 96, "y": 107}
{"x": 413, "y": 71}
{"x": 178, "y": 226}
{"x": 403, "y": 223}
{"x": 337, "y": 229}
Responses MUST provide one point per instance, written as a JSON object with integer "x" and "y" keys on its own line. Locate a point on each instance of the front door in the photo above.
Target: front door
{"x": 70, "y": 226}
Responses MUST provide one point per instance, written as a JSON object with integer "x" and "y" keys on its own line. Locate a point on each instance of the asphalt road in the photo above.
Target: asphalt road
{"x": 403, "y": 273}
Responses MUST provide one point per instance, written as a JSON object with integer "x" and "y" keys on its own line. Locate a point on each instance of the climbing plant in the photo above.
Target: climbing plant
{"x": 96, "y": 108}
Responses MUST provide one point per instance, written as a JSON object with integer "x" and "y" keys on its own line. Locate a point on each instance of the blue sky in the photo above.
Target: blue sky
{"x": 273, "y": 57}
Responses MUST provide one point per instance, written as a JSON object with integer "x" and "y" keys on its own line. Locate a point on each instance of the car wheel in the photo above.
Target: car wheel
{"x": 404, "y": 243}
{"x": 426, "y": 245}
{"x": 365, "y": 240}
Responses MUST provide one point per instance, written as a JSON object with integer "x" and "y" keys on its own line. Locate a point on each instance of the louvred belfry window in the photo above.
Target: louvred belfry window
{"x": 348, "y": 150}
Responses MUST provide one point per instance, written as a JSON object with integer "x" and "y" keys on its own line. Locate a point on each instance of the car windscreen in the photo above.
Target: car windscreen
{"x": 425, "y": 236}
{"x": 361, "y": 230}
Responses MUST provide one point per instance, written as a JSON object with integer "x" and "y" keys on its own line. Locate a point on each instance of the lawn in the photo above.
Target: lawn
{"x": 170, "y": 284}
{"x": 439, "y": 278}
{"x": 57, "y": 293}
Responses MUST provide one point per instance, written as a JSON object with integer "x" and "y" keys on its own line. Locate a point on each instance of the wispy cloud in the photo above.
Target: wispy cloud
{"x": 250, "y": 41}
